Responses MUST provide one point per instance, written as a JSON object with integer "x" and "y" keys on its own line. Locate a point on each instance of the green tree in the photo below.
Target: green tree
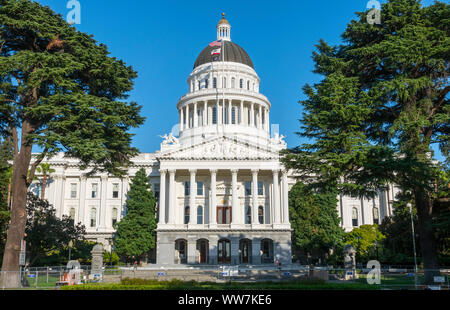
{"x": 45, "y": 232}
{"x": 61, "y": 91}
{"x": 365, "y": 239}
{"x": 135, "y": 234}
{"x": 381, "y": 106}
{"x": 314, "y": 219}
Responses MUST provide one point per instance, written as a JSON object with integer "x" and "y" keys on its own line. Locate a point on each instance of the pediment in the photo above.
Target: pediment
{"x": 221, "y": 148}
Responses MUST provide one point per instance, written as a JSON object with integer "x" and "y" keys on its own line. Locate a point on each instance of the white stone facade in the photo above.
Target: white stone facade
{"x": 223, "y": 193}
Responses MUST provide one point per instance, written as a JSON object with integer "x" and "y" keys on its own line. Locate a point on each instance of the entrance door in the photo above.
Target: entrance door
{"x": 203, "y": 251}
{"x": 245, "y": 250}
{"x": 224, "y": 252}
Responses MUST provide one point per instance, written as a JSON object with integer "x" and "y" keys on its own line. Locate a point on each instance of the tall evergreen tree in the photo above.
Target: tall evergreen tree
{"x": 61, "y": 91}
{"x": 314, "y": 219}
{"x": 381, "y": 106}
{"x": 135, "y": 235}
{"x": 5, "y": 189}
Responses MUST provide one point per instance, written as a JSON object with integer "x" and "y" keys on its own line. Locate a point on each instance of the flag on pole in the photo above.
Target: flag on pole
{"x": 215, "y": 52}
{"x": 216, "y": 43}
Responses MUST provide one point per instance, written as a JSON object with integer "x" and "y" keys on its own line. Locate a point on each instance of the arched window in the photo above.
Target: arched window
{"x": 233, "y": 80}
{"x": 199, "y": 215}
{"x": 93, "y": 217}
{"x": 114, "y": 216}
{"x": 355, "y": 217}
{"x": 214, "y": 115}
{"x": 214, "y": 82}
{"x": 187, "y": 212}
{"x": 376, "y": 216}
{"x": 261, "y": 214}
{"x": 248, "y": 215}
{"x": 241, "y": 83}
{"x": 233, "y": 115}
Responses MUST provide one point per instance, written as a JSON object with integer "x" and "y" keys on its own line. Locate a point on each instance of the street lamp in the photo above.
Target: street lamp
{"x": 414, "y": 243}
{"x": 70, "y": 248}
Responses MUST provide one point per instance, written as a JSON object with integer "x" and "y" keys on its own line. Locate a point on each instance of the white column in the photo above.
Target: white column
{"x": 172, "y": 196}
{"x": 195, "y": 116}
{"x": 103, "y": 193}
{"x": 260, "y": 117}
{"x": 82, "y": 199}
{"x": 205, "y": 113}
{"x": 276, "y": 197}
{"x": 181, "y": 119}
{"x": 192, "y": 194}
{"x": 229, "y": 112}
{"x": 162, "y": 197}
{"x": 285, "y": 198}
{"x": 255, "y": 196}
{"x": 213, "y": 199}
{"x": 266, "y": 115}
{"x": 242, "y": 113}
{"x": 235, "y": 210}
{"x": 187, "y": 116}
{"x": 252, "y": 115}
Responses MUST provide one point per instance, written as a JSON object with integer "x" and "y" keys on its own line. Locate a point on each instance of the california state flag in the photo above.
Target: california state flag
{"x": 215, "y": 52}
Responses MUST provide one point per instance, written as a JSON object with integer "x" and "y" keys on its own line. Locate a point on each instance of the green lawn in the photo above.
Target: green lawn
{"x": 139, "y": 284}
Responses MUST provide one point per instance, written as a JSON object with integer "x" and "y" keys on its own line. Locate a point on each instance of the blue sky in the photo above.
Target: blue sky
{"x": 162, "y": 39}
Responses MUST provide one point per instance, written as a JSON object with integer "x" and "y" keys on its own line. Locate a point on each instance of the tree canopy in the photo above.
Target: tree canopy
{"x": 381, "y": 106}
{"x": 60, "y": 90}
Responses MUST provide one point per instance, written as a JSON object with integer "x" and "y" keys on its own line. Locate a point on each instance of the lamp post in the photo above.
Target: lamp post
{"x": 70, "y": 248}
{"x": 414, "y": 244}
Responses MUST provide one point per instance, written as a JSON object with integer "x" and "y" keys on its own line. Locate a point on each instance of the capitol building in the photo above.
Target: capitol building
{"x": 221, "y": 188}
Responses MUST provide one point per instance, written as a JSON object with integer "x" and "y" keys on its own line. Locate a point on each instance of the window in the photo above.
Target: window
{"x": 214, "y": 82}
{"x": 206, "y": 83}
{"x": 73, "y": 190}
{"x": 241, "y": 83}
{"x": 115, "y": 190}
{"x": 72, "y": 214}
{"x": 93, "y": 217}
{"x": 223, "y": 215}
{"x": 187, "y": 212}
{"x": 224, "y": 82}
{"x": 248, "y": 85}
{"x": 199, "y": 215}
{"x": 199, "y": 188}
{"x": 248, "y": 215}
{"x": 248, "y": 188}
{"x": 233, "y": 115}
{"x": 94, "y": 190}
{"x": 376, "y": 216}
{"x": 355, "y": 217}
{"x": 199, "y": 85}
{"x": 156, "y": 190}
{"x": 114, "y": 216}
{"x": 214, "y": 115}
{"x": 225, "y": 115}
{"x": 249, "y": 116}
{"x": 260, "y": 188}
{"x": 200, "y": 117}
{"x": 187, "y": 188}
{"x": 233, "y": 82}
{"x": 261, "y": 214}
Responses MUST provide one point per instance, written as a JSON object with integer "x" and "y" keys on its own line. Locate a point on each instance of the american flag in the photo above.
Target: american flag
{"x": 216, "y": 43}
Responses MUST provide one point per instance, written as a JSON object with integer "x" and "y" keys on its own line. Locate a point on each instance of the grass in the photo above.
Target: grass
{"x": 140, "y": 284}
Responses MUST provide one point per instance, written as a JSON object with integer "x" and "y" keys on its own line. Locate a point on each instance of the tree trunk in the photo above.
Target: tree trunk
{"x": 44, "y": 184}
{"x": 426, "y": 236}
{"x": 10, "y": 268}
{"x": 8, "y": 200}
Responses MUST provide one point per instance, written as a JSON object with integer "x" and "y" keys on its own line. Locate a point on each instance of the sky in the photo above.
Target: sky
{"x": 162, "y": 39}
